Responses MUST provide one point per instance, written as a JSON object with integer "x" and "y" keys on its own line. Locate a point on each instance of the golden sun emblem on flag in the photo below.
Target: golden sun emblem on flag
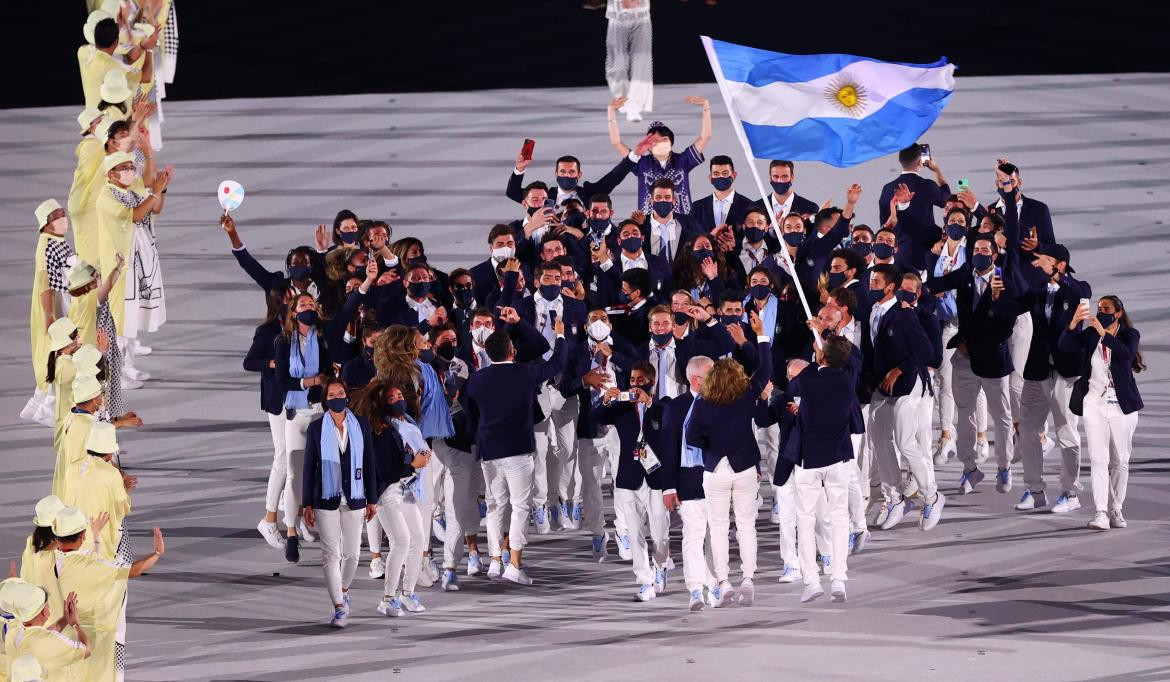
{"x": 847, "y": 95}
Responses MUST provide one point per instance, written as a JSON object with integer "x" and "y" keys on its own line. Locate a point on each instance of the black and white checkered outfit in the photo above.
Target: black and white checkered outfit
{"x": 105, "y": 322}
{"x": 58, "y": 255}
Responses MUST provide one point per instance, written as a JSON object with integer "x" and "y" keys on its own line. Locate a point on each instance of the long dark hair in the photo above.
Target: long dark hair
{"x": 51, "y": 374}
{"x": 370, "y": 402}
{"x": 276, "y": 305}
{"x": 688, "y": 272}
{"x": 1123, "y": 322}
{"x": 42, "y": 537}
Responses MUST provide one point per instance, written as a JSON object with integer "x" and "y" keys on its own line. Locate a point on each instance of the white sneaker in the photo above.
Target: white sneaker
{"x": 304, "y": 532}
{"x": 837, "y": 589}
{"x": 944, "y": 451}
{"x": 646, "y": 592}
{"x": 932, "y": 513}
{"x": 724, "y": 594}
{"x": 135, "y": 373}
{"x": 540, "y": 520}
{"x": 1047, "y": 443}
{"x": 129, "y": 384}
{"x": 495, "y": 569}
{"x": 774, "y": 517}
{"x": 982, "y": 451}
{"x": 271, "y": 534}
{"x": 391, "y": 608}
{"x": 411, "y": 603}
{"x": 47, "y": 415}
{"x": 1116, "y": 520}
{"x": 811, "y": 592}
{"x": 439, "y": 527}
{"x": 909, "y": 486}
{"x": 747, "y": 592}
{"x": 140, "y": 349}
{"x": 633, "y": 116}
{"x": 1066, "y": 503}
{"x": 377, "y": 567}
{"x": 697, "y": 602}
{"x": 883, "y": 514}
{"x": 623, "y": 545}
{"x": 520, "y": 577}
{"x": 791, "y": 574}
{"x": 1100, "y": 521}
{"x": 826, "y": 564}
{"x": 340, "y": 618}
{"x": 759, "y": 501}
{"x": 430, "y": 573}
{"x": 474, "y": 564}
{"x": 450, "y": 581}
{"x": 1031, "y": 500}
{"x": 895, "y": 512}
{"x": 31, "y": 408}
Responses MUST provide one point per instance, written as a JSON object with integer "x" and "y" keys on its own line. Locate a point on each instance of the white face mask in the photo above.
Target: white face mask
{"x": 661, "y": 149}
{"x": 480, "y": 334}
{"x": 599, "y": 330}
{"x": 59, "y": 226}
{"x": 125, "y": 177}
{"x": 502, "y": 253}
{"x": 123, "y": 144}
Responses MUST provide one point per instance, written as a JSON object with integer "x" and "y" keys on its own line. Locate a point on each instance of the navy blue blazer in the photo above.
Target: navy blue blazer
{"x": 1032, "y": 213}
{"x": 1044, "y": 355}
{"x": 927, "y": 317}
{"x": 687, "y": 482}
{"x": 483, "y": 278}
{"x": 623, "y": 416}
{"x": 632, "y": 325}
{"x": 358, "y": 372}
{"x": 703, "y": 212}
{"x": 984, "y": 326}
{"x": 575, "y": 315}
{"x": 927, "y": 195}
{"x": 1122, "y": 348}
{"x": 915, "y": 239}
{"x": 899, "y": 342}
{"x": 800, "y": 205}
{"x": 267, "y": 279}
{"x": 726, "y": 430}
{"x": 578, "y": 365}
{"x": 501, "y": 403}
{"x": 261, "y": 352}
{"x": 687, "y": 228}
{"x": 609, "y": 282}
{"x": 311, "y": 480}
{"x": 391, "y": 462}
{"x": 708, "y": 339}
{"x": 585, "y": 190}
{"x": 823, "y": 432}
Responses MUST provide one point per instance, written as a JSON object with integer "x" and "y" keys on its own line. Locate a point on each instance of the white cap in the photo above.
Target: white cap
{"x": 116, "y": 159}
{"x": 8, "y": 589}
{"x": 86, "y": 118}
{"x": 69, "y": 521}
{"x": 27, "y": 601}
{"x": 80, "y": 274}
{"x": 115, "y": 89}
{"x": 101, "y": 438}
{"x": 86, "y": 359}
{"x": 61, "y": 333}
{"x": 85, "y": 387}
{"x": 44, "y": 210}
{"x": 26, "y": 669}
{"x": 91, "y": 23}
{"x": 46, "y": 510}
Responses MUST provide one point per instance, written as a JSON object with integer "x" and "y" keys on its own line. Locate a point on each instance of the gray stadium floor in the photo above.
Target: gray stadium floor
{"x": 989, "y": 594}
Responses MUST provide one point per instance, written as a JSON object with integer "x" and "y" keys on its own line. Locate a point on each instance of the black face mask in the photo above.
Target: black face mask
{"x": 445, "y": 351}
{"x": 348, "y": 237}
{"x": 863, "y": 248}
{"x": 597, "y": 224}
{"x": 532, "y": 209}
{"x": 631, "y": 244}
{"x": 781, "y": 187}
{"x": 300, "y": 272}
{"x": 464, "y": 296}
{"x": 307, "y": 317}
{"x": 753, "y": 235}
{"x": 883, "y": 251}
{"x": 702, "y": 254}
{"x": 836, "y": 279}
{"x": 426, "y": 355}
{"x": 419, "y": 289}
{"x": 337, "y": 404}
{"x": 681, "y": 318}
{"x": 567, "y": 184}
{"x": 722, "y": 184}
{"x": 397, "y": 408}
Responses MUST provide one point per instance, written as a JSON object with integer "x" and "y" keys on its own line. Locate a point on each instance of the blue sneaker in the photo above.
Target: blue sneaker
{"x": 659, "y": 579}
{"x": 340, "y": 619}
{"x": 932, "y": 512}
{"x": 482, "y": 508}
{"x": 292, "y": 549}
{"x": 540, "y": 520}
{"x": 391, "y": 608}
{"x": 554, "y": 516}
{"x": 826, "y": 564}
{"x": 411, "y": 603}
{"x": 646, "y": 592}
{"x": 852, "y": 541}
{"x": 599, "y": 548}
{"x": 474, "y": 564}
{"x": 345, "y": 601}
{"x": 791, "y": 574}
{"x": 696, "y": 600}
{"x": 857, "y": 541}
{"x": 450, "y": 580}
{"x": 578, "y": 510}
{"x": 1003, "y": 480}
{"x": 506, "y": 557}
{"x": 775, "y": 516}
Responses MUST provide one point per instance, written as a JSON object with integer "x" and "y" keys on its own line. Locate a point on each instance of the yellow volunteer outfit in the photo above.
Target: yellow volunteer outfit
{"x": 83, "y": 309}
{"x": 88, "y": 180}
{"x": 42, "y": 283}
{"x": 8, "y": 623}
{"x": 77, "y": 428}
{"x": 95, "y": 486}
{"x": 100, "y": 586}
{"x": 83, "y": 361}
{"x": 116, "y": 232}
{"x": 27, "y": 669}
{"x": 60, "y": 655}
{"x": 38, "y": 568}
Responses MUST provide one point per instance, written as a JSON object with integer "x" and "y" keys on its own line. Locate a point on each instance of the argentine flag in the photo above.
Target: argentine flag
{"x": 835, "y": 108}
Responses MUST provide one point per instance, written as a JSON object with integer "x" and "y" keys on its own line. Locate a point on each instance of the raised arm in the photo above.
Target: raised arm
{"x": 705, "y": 130}
{"x": 109, "y": 282}
{"x": 615, "y": 135}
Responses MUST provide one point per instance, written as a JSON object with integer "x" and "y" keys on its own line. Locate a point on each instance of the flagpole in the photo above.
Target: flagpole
{"x": 747, "y": 151}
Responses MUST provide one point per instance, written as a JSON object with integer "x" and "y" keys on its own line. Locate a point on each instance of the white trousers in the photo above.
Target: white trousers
{"x": 1038, "y": 399}
{"x": 1018, "y": 347}
{"x": 126, "y": 348}
{"x": 556, "y": 476}
{"x": 768, "y": 441}
{"x": 403, "y": 523}
{"x": 726, "y": 491}
{"x": 509, "y": 482}
{"x": 629, "y": 64}
{"x": 858, "y": 494}
{"x": 592, "y": 454}
{"x": 697, "y": 565}
{"x": 999, "y": 412}
{"x": 786, "y": 500}
{"x": 828, "y": 486}
{"x": 460, "y": 507}
{"x": 341, "y": 545}
{"x": 640, "y": 504}
{"x": 434, "y": 480}
{"x": 294, "y": 447}
{"x": 279, "y": 471}
{"x": 944, "y": 389}
{"x": 925, "y": 428}
{"x": 896, "y": 420}
{"x": 1109, "y": 440}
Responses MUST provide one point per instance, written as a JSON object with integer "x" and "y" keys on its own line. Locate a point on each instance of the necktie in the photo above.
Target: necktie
{"x": 1048, "y": 303}
{"x": 691, "y": 455}
{"x": 718, "y": 212}
{"x": 661, "y": 367}
{"x": 664, "y": 240}
{"x": 875, "y": 322}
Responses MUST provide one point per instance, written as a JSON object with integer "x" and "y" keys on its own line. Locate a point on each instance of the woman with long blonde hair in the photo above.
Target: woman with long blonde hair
{"x": 720, "y": 437}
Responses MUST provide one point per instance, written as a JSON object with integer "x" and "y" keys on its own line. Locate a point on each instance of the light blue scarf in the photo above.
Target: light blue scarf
{"x": 768, "y": 317}
{"x": 415, "y": 443}
{"x": 300, "y": 366}
{"x": 331, "y": 458}
{"x": 435, "y": 412}
{"x": 691, "y": 455}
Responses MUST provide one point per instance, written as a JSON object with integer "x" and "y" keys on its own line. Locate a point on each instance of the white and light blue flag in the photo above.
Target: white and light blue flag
{"x": 835, "y": 108}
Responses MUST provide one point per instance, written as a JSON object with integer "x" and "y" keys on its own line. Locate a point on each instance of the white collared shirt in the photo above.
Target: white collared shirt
{"x": 745, "y": 256}
{"x": 425, "y": 308}
{"x": 670, "y": 228}
{"x": 852, "y": 331}
{"x": 721, "y": 207}
{"x": 639, "y": 262}
{"x": 982, "y": 282}
{"x": 666, "y": 368}
{"x": 875, "y": 316}
{"x": 782, "y": 209}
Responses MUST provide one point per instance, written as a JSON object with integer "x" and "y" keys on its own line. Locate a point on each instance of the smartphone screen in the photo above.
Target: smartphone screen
{"x": 925, "y": 152}
{"x": 526, "y": 150}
